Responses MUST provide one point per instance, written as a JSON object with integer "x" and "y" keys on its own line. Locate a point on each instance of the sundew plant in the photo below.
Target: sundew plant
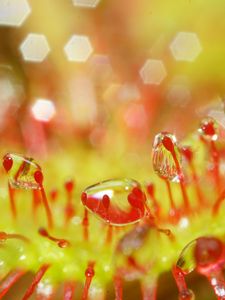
{"x": 118, "y": 229}
{"x": 112, "y": 149}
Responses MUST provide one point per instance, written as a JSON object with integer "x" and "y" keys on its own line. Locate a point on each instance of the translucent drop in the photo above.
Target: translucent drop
{"x": 117, "y": 201}
{"x": 209, "y": 253}
{"x": 165, "y": 149}
{"x": 208, "y": 129}
{"x": 21, "y": 173}
{"x": 186, "y": 261}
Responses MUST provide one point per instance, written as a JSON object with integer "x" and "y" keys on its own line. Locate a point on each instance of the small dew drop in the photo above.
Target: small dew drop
{"x": 164, "y": 150}
{"x": 63, "y": 243}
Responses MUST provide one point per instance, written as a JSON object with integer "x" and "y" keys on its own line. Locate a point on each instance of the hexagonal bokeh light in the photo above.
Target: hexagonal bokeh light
{"x": 43, "y": 110}
{"x": 186, "y": 46}
{"x": 78, "y": 48}
{"x": 13, "y": 12}
{"x": 35, "y": 48}
{"x": 153, "y": 71}
{"x": 86, "y": 3}
{"x": 178, "y": 95}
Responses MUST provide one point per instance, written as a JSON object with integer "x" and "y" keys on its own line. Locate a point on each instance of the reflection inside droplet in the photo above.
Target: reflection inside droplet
{"x": 21, "y": 171}
{"x": 186, "y": 261}
{"x": 162, "y": 156}
{"x": 116, "y": 201}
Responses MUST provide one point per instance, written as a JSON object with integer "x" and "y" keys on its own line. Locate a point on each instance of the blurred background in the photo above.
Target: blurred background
{"x": 104, "y": 72}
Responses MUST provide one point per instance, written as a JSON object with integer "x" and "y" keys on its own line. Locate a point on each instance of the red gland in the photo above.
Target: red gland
{"x": 208, "y": 128}
{"x": 168, "y": 143}
{"x": 38, "y": 176}
{"x": 7, "y": 162}
{"x": 89, "y": 274}
{"x": 60, "y": 242}
{"x": 90, "y": 271}
{"x": 69, "y": 186}
{"x": 5, "y": 236}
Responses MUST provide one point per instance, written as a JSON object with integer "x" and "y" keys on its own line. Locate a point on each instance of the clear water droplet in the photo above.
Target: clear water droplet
{"x": 164, "y": 146}
{"x": 21, "y": 173}
{"x": 208, "y": 129}
{"x": 186, "y": 261}
{"x": 124, "y": 205}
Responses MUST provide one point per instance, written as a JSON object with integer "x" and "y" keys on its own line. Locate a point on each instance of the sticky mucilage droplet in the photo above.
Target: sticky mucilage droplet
{"x": 21, "y": 170}
{"x": 24, "y": 173}
{"x": 116, "y": 201}
{"x": 186, "y": 261}
{"x": 164, "y": 149}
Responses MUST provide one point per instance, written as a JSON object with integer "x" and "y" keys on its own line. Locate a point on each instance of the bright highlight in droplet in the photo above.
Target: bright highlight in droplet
{"x": 35, "y": 48}
{"x": 86, "y": 3}
{"x": 13, "y": 12}
{"x": 153, "y": 71}
{"x": 184, "y": 222}
{"x": 78, "y": 48}
{"x": 186, "y": 46}
{"x": 43, "y": 110}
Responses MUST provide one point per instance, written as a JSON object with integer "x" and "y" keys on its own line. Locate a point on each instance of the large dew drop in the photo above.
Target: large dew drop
{"x": 166, "y": 157}
{"x": 117, "y": 201}
{"x": 24, "y": 173}
{"x": 21, "y": 171}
